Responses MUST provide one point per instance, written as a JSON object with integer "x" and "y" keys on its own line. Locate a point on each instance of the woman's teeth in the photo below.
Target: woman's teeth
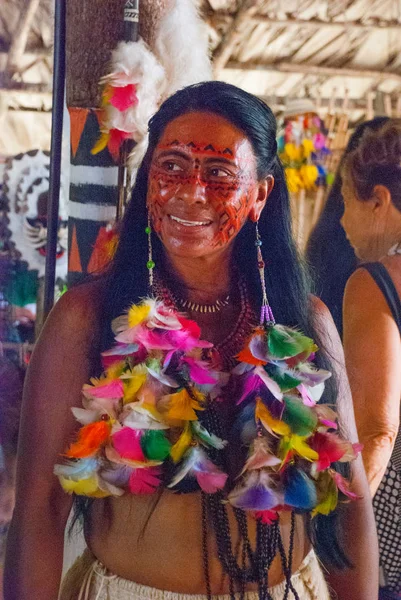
{"x": 189, "y": 223}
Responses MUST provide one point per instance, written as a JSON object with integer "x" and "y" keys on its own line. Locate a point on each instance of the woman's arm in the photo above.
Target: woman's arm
{"x": 58, "y": 369}
{"x": 355, "y": 519}
{"x": 373, "y": 358}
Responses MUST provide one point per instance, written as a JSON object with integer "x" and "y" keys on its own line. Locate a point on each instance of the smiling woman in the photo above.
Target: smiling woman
{"x": 203, "y": 456}
{"x": 203, "y": 177}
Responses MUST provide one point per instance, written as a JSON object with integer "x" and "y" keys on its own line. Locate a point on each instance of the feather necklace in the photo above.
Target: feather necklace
{"x": 144, "y": 426}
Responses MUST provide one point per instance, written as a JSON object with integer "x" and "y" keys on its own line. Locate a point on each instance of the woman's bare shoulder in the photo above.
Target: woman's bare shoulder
{"x": 79, "y": 305}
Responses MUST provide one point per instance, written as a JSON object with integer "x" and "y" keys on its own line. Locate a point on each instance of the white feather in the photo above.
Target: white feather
{"x": 182, "y": 46}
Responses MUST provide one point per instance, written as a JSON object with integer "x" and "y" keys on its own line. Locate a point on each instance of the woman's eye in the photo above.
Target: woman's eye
{"x": 217, "y": 172}
{"x": 171, "y": 166}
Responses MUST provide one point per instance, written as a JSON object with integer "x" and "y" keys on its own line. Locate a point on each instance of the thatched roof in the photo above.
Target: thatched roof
{"x": 277, "y": 49}
{"x": 320, "y": 48}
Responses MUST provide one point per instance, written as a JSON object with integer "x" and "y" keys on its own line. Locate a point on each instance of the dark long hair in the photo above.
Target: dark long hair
{"x": 287, "y": 283}
{"x": 330, "y": 255}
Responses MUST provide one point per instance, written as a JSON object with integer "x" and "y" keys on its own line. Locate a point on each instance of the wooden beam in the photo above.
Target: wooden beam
{"x": 219, "y": 17}
{"x": 305, "y": 69}
{"x": 223, "y": 51}
{"x": 18, "y": 87}
{"x": 20, "y": 35}
{"x": 279, "y": 103}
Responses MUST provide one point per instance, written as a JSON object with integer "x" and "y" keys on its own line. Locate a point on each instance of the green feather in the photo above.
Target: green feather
{"x": 155, "y": 445}
{"x": 207, "y": 438}
{"x": 299, "y": 417}
{"x": 284, "y": 342}
{"x": 287, "y": 380}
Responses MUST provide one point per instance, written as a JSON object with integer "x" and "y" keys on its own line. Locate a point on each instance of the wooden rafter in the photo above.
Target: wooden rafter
{"x": 307, "y": 69}
{"x": 312, "y": 24}
{"x": 20, "y": 35}
{"x": 223, "y": 51}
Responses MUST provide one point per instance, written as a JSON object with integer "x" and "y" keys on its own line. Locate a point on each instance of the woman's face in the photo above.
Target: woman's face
{"x": 365, "y": 223}
{"x": 202, "y": 185}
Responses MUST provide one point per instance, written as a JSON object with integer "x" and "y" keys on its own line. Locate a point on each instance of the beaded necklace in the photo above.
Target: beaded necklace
{"x": 223, "y": 354}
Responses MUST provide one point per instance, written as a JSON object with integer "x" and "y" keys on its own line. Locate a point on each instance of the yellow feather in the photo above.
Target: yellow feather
{"x": 133, "y": 381}
{"x": 300, "y": 446}
{"x": 182, "y": 407}
{"x": 263, "y": 414}
{"x": 101, "y": 143}
{"x": 137, "y": 314}
{"x": 84, "y": 487}
{"x": 182, "y": 444}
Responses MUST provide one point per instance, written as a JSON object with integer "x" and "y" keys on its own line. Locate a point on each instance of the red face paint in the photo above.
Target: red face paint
{"x": 202, "y": 184}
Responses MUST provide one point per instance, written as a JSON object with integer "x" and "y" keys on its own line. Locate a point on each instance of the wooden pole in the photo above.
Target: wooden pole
{"x": 55, "y": 155}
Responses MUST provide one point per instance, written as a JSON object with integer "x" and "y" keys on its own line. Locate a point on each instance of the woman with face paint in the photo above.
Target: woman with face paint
{"x": 210, "y": 205}
{"x": 372, "y": 326}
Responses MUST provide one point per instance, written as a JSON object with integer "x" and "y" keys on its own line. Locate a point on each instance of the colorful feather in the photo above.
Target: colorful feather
{"x": 327, "y": 495}
{"x": 300, "y": 490}
{"x": 260, "y": 456}
{"x": 198, "y": 371}
{"x": 155, "y": 445}
{"x": 182, "y": 406}
{"x": 196, "y": 464}
{"x": 284, "y": 342}
{"x": 84, "y": 487}
{"x": 137, "y": 416}
{"x": 207, "y": 438}
{"x": 127, "y": 442}
{"x": 284, "y": 377}
{"x": 108, "y": 389}
{"x": 301, "y": 419}
{"x": 144, "y": 481}
{"x": 343, "y": 485}
{"x": 77, "y": 469}
{"x": 275, "y": 426}
{"x": 328, "y": 447}
{"x": 295, "y": 444}
{"x": 256, "y": 493}
{"x": 268, "y": 517}
{"x": 90, "y": 439}
{"x": 182, "y": 444}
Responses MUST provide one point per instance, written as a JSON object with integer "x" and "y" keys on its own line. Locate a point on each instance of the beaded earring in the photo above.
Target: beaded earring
{"x": 266, "y": 314}
{"x": 150, "y": 264}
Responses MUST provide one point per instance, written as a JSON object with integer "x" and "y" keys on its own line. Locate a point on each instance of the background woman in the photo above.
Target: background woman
{"x": 372, "y": 325}
{"x": 210, "y": 174}
{"x": 329, "y": 253}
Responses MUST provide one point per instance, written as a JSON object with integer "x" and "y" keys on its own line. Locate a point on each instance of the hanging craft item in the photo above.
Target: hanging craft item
{"x": 303, "y": 150}
{"x": 131, "y": 94}
{"x": 144, "y": 421}
{"x": 26, "y": 185}
{"x": 303, "y": 147}
{"x": 142, "y": 77}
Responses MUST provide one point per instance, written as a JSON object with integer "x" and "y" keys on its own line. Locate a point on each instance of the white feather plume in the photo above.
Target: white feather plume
{"x": 182, "y": 46}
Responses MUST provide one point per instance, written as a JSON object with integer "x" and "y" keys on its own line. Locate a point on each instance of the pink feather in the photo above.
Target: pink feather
{"x": 306, "y": 399}
{"x": 112, "y": 389}
{"x": 198, "y": 373}
{"x": 124, "y": 97}
{"x": 343, "y": 486}
{"x": 127, "y": 442}
{"x": 144, "y": 481}
{"x": 266, "y": 516}
{"x": 211, "y": 482}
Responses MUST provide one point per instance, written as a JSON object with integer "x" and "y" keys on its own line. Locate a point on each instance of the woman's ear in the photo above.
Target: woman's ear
{"x": 381, "y": 197}
{"x": 265, "y": 187}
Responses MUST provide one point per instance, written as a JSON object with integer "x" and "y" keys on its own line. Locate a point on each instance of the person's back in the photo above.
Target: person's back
{"x": 372, "y": 326}
{"x": 329, "y": 254}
